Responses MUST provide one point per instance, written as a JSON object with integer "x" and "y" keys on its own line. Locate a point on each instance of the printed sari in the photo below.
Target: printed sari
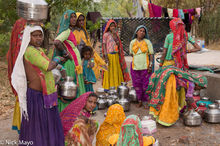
{"x": 81, "y": 34}
{"x": 111, "y": 125}
{"x": 165, "y": 101}
{"x": 76, "y": 130}
{"x": 15, "y": 43}
{"x": 117, "y": 68}
{"x": 131, "y": 132}
{"x": 73, "y": 67}
{"x": 179, "y": 43}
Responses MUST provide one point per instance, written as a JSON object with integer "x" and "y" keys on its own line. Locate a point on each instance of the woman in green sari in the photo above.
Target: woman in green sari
{"x": 65, "y": 43}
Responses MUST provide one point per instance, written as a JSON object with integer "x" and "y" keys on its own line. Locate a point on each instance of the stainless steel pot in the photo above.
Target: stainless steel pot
{"x": 57, "y": 75}
{"x": 112, "y": 90}
{"x": 123, "y": 90}
{"x": 36, "y": 10}
{"x": 124, "y": 103}
{"x": 68, "y": 88}
{"x": 212, "y": 114}
{"x": 102, "y": 102}
{"x": 110, "y": 101}
{"x": 102, "y": 98}
{"x": 100, "y": 91}
{"x": 132, "y": 95}
{"x": 192, "y": 118}
{"x": 218, "y": 102}
{"x": 196, "y": 93}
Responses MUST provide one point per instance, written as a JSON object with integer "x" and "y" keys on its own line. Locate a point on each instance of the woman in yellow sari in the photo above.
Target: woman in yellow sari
{"x": 111, "y": 125}
{"x": 82, "y": 38}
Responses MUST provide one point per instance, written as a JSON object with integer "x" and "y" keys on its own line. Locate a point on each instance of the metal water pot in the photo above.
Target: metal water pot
{"x": 57, "y": 75}
{"x": 112, "y": 90}
{"x": 132, "y": 95}
{"x": 212, "y": 114}
{"x": 110, "y": 101}
{"x": 124, "y": 103}
{"x": 123, "y": 90}
{"x": 196, "y": 93}
{"x": 68, "y": 88}
{"x": 102, "y": 102}
{"x": 192, "y": 118}
{"x": 102, "y": 98}
{"x": 35, "y": 10}
{"x": 100, "y": 91}
{"x": 218, "y": 102}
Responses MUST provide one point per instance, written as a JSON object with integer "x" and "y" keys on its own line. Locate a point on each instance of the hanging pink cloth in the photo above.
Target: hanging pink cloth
{"x": 155, "y": 11}
{"x": 175, "y": 13}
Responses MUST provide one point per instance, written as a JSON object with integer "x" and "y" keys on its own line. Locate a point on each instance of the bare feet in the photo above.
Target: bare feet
{"x": 139, "y": 105}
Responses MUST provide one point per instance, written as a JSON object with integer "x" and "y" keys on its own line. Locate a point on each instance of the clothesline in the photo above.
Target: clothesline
{"x": 152, "y": 10}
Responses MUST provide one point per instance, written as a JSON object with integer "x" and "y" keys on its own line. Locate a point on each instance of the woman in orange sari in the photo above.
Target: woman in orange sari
{"x": 111, "y": 125}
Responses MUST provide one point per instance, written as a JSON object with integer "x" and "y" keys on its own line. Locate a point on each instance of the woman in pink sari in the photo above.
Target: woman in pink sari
{"x": 78, "y": 128}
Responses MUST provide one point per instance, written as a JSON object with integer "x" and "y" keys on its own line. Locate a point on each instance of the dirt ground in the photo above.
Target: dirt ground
{"x": 204, "y": 135}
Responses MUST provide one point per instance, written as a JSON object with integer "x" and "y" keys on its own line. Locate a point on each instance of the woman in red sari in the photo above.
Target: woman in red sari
{"x": 15, "y": 43}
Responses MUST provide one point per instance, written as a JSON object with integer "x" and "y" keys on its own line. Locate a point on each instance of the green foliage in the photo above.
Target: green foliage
{"x": 117, "y": 8}
{"x": 211, "y": 23}
{"x": 7, "y": 18}
{"x": 8, "y": 15}
{"x": 4, "y": 43}
{"x": 92, "y": 27}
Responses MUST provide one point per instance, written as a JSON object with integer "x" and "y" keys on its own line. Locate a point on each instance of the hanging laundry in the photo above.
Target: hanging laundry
{"x": 191, "y": 13}
{"x": 185, "y": 11}
{"x": 175, "y": 13}
{"x": 181, "y": 14}
{"x": 145, "y": 7}
{"x": 170, "y": 12}
{"x": 198, "y": 11}
{"x": 155, "y": 11}
{"x": 165, "y": 13}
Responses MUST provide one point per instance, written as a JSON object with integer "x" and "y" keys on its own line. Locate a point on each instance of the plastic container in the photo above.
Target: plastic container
{"x": 148, "y": 126}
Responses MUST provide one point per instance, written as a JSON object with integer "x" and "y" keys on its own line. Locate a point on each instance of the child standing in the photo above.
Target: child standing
{"x": 88, "y": 64}
{"x": 141, "y": 67}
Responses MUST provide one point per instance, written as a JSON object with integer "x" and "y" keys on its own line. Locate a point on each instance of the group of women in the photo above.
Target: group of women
{"x": 167, "y": 90}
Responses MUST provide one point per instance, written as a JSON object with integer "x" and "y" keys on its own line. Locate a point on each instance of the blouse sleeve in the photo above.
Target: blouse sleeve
{"x": 63, "y": 36}
{"x": 166, "y": 43}
{"x": 190, "y": 39}
{"x": 36, "y": 58}
{"x": 150, "y": 47}
{"x": 105, "y": 38}
{"x": 131, "y": 46}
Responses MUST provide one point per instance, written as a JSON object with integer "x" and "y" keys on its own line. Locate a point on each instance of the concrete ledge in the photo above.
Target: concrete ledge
{"x": 213, "y": 89}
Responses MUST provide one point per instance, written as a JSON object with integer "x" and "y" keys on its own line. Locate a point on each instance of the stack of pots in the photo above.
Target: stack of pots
{"x": 102, "y": 98}
{"x": 123, "y": 91}
{"x": 112, "y": 96}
